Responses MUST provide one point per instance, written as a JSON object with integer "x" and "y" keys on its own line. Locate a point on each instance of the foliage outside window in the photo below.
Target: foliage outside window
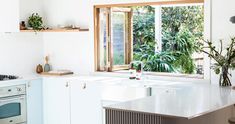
{"x": 182, "y": 27}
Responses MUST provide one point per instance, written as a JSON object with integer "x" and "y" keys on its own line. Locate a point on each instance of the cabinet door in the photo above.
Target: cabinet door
{"x": 56, "y": 101}
{"x": 9, "y": 13}
{"x": 85, "y": 103}
{"x": 34, "y": 102}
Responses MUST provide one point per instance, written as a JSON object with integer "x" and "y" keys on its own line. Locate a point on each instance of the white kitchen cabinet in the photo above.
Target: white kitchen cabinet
{"x": 71, "y": 101}
{"x": 34, "y": 101}
{"x": 86, "y": 107}
{"x": 9, "y": 13}
{"x": 56, "y": 101}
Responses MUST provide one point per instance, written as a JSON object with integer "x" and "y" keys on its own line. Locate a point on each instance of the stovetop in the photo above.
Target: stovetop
{"x": 8, "y": 77}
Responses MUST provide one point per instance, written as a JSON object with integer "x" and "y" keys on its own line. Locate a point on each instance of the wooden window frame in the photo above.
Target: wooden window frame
{"x": 163, "y": 2}
{"x": 128, "y": 39}
{"x": 128, "y": 46}
{"x": 96, "y": 23}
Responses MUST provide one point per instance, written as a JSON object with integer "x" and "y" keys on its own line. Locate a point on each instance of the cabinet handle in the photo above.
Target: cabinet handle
{"x": 67, "y": 84}
{"x": 29, "y": 84}
{"x": 84, "y": 86}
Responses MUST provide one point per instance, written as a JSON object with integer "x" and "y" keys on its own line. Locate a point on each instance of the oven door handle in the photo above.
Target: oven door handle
{"x": 11, "y": 99}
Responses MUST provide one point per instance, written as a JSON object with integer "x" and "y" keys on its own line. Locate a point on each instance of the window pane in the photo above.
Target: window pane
{"x": 103, "y": 39}
{"x": 182, "y": 28}
{"x": 118, "y": 38}
{"x": 10, "y": 110}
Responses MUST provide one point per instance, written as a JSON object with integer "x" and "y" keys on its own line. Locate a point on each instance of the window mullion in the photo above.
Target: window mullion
{"x": 158, "y": 28}
{"x": 109, "y": 41}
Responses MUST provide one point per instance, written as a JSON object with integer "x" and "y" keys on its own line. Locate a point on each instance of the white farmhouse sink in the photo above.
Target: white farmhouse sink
{"x": 124, "y": 93}
{"x": 121, "y": 90}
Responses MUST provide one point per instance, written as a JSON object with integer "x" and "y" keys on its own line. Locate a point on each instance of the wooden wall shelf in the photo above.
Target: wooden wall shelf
{"x": 57, "y": 30}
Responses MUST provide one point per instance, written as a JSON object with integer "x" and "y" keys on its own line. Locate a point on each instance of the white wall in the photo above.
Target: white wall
{"x": 20, "y": 52}
{"x": 27, "y": 7}
{"x": 222, "y": 11}
{"x": 73, "y": 51}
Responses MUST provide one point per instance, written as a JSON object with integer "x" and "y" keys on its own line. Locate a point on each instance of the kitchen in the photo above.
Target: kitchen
{"x": 22, "y": 51}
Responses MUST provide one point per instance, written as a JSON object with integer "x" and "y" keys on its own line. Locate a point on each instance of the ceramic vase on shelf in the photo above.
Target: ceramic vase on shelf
{"x": 39, "y": 69}
{"x": 47, "y": 67}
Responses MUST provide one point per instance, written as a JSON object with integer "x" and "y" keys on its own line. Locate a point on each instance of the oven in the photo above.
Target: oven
{"x": 13, "y": 105}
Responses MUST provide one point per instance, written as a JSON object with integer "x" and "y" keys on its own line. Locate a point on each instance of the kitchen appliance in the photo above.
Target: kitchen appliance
{"x": 8, "y": 77}
{"x": 13, "y": 104}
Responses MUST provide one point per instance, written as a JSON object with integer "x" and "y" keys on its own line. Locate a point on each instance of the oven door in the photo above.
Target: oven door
{"x": 13, "y": 110}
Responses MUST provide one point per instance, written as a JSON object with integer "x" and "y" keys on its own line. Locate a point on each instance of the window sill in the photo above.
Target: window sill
{"x": 158, "y": 76}
{"x": 196, "y": 76}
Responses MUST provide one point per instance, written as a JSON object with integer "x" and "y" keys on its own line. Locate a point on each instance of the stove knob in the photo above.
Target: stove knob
{"x": 19, "y": 89}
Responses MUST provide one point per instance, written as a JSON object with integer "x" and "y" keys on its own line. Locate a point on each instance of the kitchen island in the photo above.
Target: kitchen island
{"x": 189, "y": 103}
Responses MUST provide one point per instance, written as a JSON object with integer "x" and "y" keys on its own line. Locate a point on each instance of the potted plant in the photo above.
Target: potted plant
{"x": 35, "y": 22}
{"x": 224, "y": 59}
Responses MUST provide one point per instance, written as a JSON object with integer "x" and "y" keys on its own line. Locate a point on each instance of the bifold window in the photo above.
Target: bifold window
{"x": 162, "y": 35}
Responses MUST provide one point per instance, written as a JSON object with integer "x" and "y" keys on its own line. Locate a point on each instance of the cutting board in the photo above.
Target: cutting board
{"x": 56, "y": 73}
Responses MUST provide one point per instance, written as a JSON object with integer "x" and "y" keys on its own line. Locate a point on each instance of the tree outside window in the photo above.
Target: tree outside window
{"x": 181, "y": 29}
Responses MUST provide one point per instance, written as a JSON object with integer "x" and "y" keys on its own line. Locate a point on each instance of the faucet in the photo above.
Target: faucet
{"x": 138, "y": 66}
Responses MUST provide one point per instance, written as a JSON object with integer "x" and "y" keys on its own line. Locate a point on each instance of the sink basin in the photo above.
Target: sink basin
{"x": 126, "y": 89}
{"x": 124, "y": 93}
